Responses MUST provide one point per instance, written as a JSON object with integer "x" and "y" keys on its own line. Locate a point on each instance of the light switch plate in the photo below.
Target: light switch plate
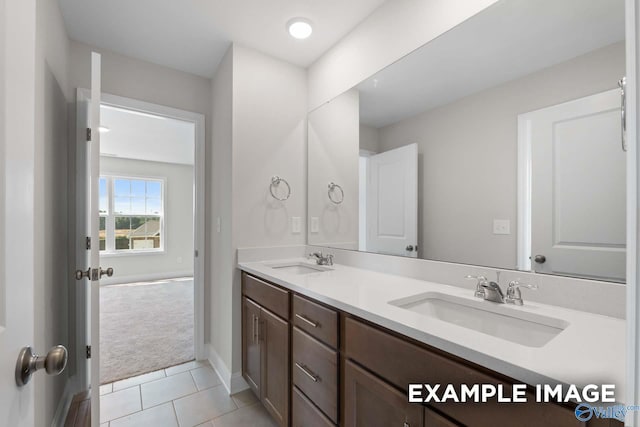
{"x": 295, "y": 224}
{"x": 218, "y": 225}
{"x": 501, "y": 226}
{"x": 315, "y": 224}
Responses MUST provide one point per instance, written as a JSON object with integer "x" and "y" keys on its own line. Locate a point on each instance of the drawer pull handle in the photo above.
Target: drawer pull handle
{"x": 304, "y": 319}
{"x": 308, "y": 373}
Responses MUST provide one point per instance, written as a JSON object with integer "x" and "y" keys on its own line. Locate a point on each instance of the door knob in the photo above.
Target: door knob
{"x": 108, "y": 272}
{"x": 80, "y": 274}
{"x": 53, "y": 363}
{"x": 409, "y": 248}
{"x": 540, "y": 259}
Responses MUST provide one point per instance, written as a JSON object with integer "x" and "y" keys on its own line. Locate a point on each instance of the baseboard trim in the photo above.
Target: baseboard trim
{"x": 118, "y": 280}
{"x": 238, "y": 383}
{"x": 234, "y": 383}
{"x": 64, "y": 404}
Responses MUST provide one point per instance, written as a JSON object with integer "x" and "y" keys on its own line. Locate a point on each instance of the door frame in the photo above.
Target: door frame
{"x": 632, "y": 43}
{"x": 198, "y": 211}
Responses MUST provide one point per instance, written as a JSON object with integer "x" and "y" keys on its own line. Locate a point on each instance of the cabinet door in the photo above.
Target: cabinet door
{"x": 433, "y": 419}
{"x": 370, "y": 402}
{"x": 274, "y": 337}
{"x": 251, "y": 360}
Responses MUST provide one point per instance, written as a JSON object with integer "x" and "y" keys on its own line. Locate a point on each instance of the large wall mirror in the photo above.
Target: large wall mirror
{"x": 497, "y": 144}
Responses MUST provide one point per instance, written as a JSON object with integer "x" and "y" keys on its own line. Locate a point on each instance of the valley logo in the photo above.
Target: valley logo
{"x": 584, "y": 412}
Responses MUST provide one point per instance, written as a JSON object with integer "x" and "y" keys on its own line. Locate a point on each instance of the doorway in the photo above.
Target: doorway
{"x": 151, "y": 208}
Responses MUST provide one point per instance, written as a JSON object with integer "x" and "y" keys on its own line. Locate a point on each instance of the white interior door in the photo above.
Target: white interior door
{"x": 88, "y": 255}
{"x": 578, "y": 195}
{"x": 94, "y": 227}
{"x": 392, "y": 202}
{"x": 17, "y": 143}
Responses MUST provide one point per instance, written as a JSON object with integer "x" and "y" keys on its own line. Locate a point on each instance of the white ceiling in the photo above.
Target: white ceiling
{"x": 507, "y": 41}
{"x": 193, "y": 35}
{"x": 143, "y": 136}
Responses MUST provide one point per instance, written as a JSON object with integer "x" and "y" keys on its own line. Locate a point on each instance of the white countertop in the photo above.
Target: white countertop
{"x": 591, "y": 350}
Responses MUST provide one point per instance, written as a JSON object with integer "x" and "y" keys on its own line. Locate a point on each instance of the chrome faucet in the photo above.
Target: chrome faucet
{"x": 321, "y": 259}
{"x": 491, "y": 291}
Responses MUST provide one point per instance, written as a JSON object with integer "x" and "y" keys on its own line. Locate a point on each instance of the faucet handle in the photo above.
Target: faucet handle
{"x": 514, "y": 296}
{"x": 481, "y": 280}
{"x": 515, "y": 284}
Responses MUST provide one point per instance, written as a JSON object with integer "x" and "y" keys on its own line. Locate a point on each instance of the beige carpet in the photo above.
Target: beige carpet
{"x": 145, "y": 327}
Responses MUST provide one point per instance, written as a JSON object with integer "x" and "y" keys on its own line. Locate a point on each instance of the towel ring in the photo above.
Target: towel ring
{"x": 275, "y": 181}
{"x": 331, "y": 193}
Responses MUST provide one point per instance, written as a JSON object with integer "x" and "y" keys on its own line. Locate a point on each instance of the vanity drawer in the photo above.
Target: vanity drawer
{"x": 305, "y": 414}
{"x": 270, "y": 297}
{"x": 318, "y": 321}
{"x": 315, "y": 372}
{"x": 400, "y": 363}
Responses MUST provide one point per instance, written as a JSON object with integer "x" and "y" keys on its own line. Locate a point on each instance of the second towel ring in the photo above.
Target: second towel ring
{"x": 275, "y": 182}
{"x": 331, "y": 193}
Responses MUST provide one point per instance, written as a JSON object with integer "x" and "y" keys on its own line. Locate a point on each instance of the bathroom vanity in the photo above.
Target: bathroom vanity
{"x": 326, "y": 346}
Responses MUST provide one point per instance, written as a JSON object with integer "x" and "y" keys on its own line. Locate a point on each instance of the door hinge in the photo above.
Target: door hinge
{"x": 88, "y": 134}
{"x": 88, "y": 349}
{"x": 88, "y": 242}
{"x": 195, "y": 253}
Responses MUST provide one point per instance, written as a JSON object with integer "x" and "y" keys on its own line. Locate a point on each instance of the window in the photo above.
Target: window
{"x": 131, "y": 214}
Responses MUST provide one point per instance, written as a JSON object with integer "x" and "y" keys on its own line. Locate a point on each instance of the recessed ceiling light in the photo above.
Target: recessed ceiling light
{"x": 299, "y": 28}
{"x": 103, "y": 129}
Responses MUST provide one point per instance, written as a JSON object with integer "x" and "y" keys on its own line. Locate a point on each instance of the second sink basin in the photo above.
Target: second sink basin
{"x": 298, "y": 267}
{"x": 498, "y": 320}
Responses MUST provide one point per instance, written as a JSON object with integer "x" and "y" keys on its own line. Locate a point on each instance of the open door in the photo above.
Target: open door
{"x": 17, "y": 164}
{"x": 578, "y": 167}
{"x": 88, "y": 253}
{"x": 392, "y": 202}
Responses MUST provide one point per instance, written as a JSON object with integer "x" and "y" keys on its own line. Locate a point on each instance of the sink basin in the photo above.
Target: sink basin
{"x": 299, "y": 267}
{"x": 498, "y": 320}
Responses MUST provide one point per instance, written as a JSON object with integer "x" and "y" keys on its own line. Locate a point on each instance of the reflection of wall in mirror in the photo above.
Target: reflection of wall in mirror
{"x": 468, "y": 156}
{"x": 333, "y": 157}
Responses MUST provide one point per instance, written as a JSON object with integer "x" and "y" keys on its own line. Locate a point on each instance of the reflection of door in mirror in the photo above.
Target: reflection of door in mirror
{"x": 577, "y": 188}
{"x": 391, "y": 215}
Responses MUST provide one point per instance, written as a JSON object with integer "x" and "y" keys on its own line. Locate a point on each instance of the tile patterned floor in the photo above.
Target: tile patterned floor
{"x": 187, "y": 395}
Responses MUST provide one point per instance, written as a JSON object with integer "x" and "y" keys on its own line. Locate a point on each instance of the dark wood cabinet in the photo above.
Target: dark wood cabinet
{"x": 304, "y": 413}
{"x": 266, "y": 346}
{"x": 370, "y": 402}
{"x": 274, "y": 336}
{"x": 333, "y": 368}
{"x": 251, "y": 358}
{"x": 315, "y": 372}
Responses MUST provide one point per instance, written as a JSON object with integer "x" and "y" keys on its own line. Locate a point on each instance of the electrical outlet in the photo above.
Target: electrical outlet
{"x": 501, "y": 226}
{"x": 315, "y": 224}
{"x": 295, "y": 224}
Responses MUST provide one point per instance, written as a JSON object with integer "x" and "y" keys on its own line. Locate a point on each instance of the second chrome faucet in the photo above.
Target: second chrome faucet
{"x": 491, "y": 291}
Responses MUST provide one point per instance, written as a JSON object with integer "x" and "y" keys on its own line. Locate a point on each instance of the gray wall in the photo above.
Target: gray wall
{"x": 468, "y": 156}
{"x": 269, "y": 138}
{"x": 369, "y": 138}
{"x": 177, "y": 258}
{"x": 259, "y": 116}
{"x": 392, "y": 31}
{"x": 219, "y": 269}
{"x": 333, "y": 141}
